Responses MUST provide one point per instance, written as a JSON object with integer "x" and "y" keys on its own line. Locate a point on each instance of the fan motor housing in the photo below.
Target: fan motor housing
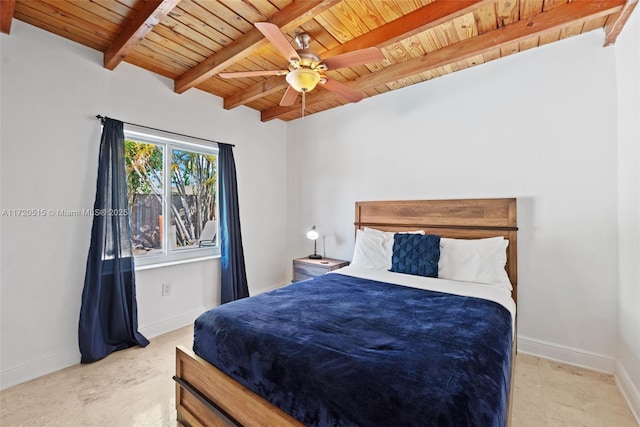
{"x": 308, "y": 59}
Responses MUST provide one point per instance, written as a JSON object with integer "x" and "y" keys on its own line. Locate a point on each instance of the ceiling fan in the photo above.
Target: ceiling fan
{"x": 305, "y": 69}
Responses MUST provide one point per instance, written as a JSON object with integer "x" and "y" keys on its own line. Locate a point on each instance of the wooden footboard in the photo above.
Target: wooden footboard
{"x": 206, "y": 397}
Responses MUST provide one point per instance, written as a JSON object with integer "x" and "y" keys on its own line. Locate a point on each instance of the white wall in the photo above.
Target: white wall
{"x": 539, "y": 126}
{"x": 628, "y": 70}
{"x": 51, "y": 89}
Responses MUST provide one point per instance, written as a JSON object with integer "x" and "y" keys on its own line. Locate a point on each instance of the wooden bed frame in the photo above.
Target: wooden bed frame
{"x": 205, "y": 396}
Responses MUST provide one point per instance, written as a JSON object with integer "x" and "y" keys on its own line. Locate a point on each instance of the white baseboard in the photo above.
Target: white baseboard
{"x": 270, "y": 288}
{"x": 629, "y": 390}
{"x": 568, "y": 355}
{"x": 151, "y": 330}
{"x": 71, "y": 356}
{"x": 38, "y": 368}
{"x": 585, "y": 359}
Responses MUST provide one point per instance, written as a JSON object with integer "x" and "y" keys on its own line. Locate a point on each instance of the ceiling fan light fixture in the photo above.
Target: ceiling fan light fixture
{"x": 303, "y": 79}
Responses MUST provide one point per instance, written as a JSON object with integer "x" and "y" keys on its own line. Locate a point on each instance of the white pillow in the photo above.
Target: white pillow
{"x": 374, "y": 248}
{"x": 371, "y": 251}
{"x": 475, "y": 260}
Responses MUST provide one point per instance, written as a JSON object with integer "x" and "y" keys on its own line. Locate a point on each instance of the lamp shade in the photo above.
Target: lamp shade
{"x": 313, "y": 233}
{"x": 303, "y": 79}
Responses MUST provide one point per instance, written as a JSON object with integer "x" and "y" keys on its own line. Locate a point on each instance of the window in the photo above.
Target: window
{"x": 176, "y": 180}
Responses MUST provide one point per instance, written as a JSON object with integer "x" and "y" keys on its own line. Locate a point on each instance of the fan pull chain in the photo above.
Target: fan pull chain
{"x": 304, "y": 92}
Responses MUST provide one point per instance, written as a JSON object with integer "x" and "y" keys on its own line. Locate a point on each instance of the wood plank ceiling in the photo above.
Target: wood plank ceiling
{"x": 191, "y": 41}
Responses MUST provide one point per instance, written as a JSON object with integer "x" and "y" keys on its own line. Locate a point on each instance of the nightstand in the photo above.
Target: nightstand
{"x": 306, "y": 268}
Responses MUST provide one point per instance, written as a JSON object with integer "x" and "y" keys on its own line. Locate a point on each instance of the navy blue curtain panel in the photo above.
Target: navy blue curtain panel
{"x": 233, "y": 272}
{"x": 109, "y": 313}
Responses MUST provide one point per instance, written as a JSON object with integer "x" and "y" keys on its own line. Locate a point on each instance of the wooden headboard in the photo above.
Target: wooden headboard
{"x": 460, "y": 219}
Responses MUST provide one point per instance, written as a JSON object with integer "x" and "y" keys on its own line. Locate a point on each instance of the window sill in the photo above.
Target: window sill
{"x": 170, "y": 263}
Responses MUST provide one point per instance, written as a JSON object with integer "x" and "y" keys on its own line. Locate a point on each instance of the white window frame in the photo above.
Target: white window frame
{"x": 167, "y": 142}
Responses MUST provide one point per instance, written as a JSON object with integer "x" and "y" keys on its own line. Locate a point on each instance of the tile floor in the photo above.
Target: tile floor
{"x": 548, "y": 393}
{"x": 134, "y": 388}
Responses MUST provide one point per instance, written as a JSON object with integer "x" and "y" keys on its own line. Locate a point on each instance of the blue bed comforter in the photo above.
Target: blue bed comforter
{"x": 343, "y": 351}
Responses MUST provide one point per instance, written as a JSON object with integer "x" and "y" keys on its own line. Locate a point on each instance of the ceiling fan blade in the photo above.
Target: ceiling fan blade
{"x": 289, "y": 97}
{"x": 357, "y": 57}
{"x": 235, "y": 74}
{"x": 273, "y": 33}
{"x": 343, "y": 90}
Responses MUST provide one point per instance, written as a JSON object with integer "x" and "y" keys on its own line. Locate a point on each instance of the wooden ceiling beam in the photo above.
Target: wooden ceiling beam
{"x": 152, "y": 12}
{"x": 6, "y": 15}
{"x": 578, "y": 10}
{"x": 292, "y": 16}
{"x": 257, "y": 91}
{"x": 616, "y": 22}
{"x": 420, "y": 20}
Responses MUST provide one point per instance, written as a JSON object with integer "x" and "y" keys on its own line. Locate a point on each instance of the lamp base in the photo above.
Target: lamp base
{"x": 315, "y": 256}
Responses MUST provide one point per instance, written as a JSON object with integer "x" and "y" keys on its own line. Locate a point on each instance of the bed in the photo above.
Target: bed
{"x": 364, "y": 346}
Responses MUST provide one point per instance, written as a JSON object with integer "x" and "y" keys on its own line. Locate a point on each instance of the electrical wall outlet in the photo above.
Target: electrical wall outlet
{"x": 166, "y": 289}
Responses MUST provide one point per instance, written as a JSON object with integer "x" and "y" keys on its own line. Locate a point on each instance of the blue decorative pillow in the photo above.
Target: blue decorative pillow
{"x": 416, "y": 254}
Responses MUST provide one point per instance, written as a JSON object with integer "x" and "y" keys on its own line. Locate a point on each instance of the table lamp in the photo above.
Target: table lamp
{"x": 313, "y": 235}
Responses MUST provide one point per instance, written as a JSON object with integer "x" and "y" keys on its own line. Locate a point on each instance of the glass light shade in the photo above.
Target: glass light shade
{"x": 303, "y": 79}
{"x": 312, "y": 234}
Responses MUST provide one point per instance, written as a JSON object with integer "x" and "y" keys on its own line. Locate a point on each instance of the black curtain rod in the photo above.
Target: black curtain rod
{"x": 101, "y": 118}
